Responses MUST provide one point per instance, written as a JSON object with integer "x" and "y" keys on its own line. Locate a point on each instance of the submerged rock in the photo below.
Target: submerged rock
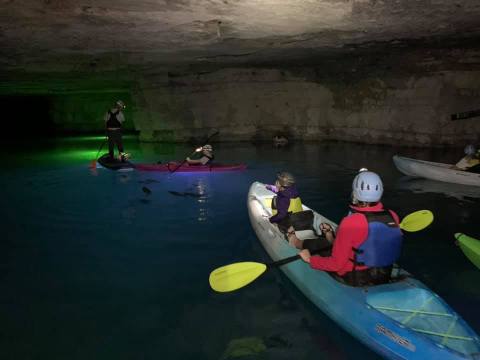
{"x": 243, "y": 347}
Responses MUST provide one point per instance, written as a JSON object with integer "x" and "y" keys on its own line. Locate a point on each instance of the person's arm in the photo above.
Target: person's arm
{"x": 106, "y": 117}
{"x": 204, "y": 160}
{"x": 351, "y": 230}
{"x": 272, "y": 188}
{"x": 120, "y": 117}
{"x": 192, "y": 161}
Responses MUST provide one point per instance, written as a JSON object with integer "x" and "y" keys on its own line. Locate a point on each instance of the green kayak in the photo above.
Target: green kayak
{"x": 470, "y": 247}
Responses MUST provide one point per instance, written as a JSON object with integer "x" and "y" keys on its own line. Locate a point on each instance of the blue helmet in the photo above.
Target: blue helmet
{"x": 367, "y": 186}
{"x": 470, "y": 149}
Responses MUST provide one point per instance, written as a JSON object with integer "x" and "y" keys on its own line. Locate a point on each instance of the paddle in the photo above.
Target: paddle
{"x": 93, "y": 163}
{"x": 465, "y": 115}
{"x": 235, "y": 276}
{"x": 195, "y": 151}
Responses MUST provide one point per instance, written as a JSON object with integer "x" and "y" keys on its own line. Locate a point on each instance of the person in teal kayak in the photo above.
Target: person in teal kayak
{"x": 368, "y": 240}
{"x": 471, "y": 161}
{"x": 114, "y": 120}
{"x": 287, "y": 200}
{"x": 206, "y": 156}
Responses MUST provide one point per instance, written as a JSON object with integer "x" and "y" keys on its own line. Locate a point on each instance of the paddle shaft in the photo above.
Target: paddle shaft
{"x": 184, "y": 161}
{"x": 465, "y": 115}
{"x": 293, "y": 258}
{"x": 100, "y": 149}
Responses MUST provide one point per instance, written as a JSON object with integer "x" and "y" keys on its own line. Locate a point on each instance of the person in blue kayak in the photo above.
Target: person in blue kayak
{"x": 206, "y": 156}
{"x": 471, "y": 161}
{"x": 114, "y": 120}
{"x": 286, "y": 201}
{"x": 367, "y": 243}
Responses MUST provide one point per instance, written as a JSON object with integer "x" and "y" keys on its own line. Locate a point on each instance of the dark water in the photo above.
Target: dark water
{"x": 93, "y": 266}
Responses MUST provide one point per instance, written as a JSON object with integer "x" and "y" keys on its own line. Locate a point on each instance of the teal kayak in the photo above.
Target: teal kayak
{"x": 399, "y": 320}
{"x": 470, "y": 247}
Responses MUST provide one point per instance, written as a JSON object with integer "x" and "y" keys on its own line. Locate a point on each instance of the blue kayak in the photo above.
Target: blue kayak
{"x": 399, "y": 320}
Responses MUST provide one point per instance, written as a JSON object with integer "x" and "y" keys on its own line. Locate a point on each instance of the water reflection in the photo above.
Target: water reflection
{"x": 458, "y": 191}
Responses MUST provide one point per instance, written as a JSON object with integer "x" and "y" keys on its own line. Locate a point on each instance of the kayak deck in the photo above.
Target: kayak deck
{"x": 174, "y": 167}
{"x": 399, "y": 320}
{"x": 425, "y": 313}
{"x": 435, "y": 171}
{"x": 115, "y": 164}
{"x": 470, "y": 247}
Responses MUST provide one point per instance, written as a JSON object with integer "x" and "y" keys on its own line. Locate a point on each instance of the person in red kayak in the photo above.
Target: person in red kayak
{"x": 368, "y": 240}
{"x": 206, "y": 157}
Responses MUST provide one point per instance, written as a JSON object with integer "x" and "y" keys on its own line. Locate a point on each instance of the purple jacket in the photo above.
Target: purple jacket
{"x": 283, "y": 201}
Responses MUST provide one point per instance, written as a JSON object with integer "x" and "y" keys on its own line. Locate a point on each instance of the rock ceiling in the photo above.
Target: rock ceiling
{"x": 102, "y": 35}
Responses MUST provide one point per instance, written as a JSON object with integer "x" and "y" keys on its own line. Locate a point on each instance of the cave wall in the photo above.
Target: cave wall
{"x": 84, "y": 112}
{"x": 256, "y": 104}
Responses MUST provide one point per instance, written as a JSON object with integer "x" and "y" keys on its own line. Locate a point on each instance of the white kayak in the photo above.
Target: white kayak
{"x": 399, "y": 320}
{"x": 435, "y": 171}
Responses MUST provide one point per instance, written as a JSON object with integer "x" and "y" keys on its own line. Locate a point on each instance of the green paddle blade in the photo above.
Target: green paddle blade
{"x": 470, "y": 247}
{"x": 417, "y": 220}
{"x": 234, "y": 276}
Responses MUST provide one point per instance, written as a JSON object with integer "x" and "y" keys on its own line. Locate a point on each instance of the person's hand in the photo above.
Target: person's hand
{"x": 305, "y": 255}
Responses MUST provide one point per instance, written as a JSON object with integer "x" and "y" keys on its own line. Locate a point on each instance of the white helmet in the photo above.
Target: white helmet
{"x": 367, "y": 186}
{"x": 470, "y": 149}
{"x": 207, "y": 148}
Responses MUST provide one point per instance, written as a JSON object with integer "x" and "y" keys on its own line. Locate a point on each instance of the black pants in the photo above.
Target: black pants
{"x": 114, "y": 137}
{"x": 474, "y": 169}
{"x": 318, "y": 246}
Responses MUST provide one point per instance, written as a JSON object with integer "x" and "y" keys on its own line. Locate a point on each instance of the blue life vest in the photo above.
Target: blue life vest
{"x": 384, "y": 241}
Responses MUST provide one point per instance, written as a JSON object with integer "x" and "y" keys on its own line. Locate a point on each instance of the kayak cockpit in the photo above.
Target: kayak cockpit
{"x": 425, "y": 313}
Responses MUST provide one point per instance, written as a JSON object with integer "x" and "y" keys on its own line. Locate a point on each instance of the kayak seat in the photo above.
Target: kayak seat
{"x": 302, "y": 220}
{"x": 370, "y": 277}
{"x": 303, "y": 223}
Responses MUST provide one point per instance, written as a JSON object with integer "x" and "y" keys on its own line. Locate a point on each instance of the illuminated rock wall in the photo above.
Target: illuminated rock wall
{"x": 257, "y": 104}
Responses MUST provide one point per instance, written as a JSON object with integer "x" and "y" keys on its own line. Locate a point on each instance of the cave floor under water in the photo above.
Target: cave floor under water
{"x": 98, "y": 264}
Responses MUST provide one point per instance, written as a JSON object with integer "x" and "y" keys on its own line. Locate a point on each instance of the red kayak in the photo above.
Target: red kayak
{"x": 172, "y": 166}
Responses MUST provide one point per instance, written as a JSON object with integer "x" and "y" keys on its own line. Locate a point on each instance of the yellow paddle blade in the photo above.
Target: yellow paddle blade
{"x": 234, "y": 276}
{"x": 417, "y": 220}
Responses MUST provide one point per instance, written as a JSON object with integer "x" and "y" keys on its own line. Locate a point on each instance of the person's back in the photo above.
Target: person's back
{"x": 368, "y": 240}
{"x": 286, "y": 201}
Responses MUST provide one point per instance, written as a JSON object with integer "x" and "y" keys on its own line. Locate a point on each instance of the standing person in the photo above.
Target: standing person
{"x": 286, "y": 201}
{"x": 205, "y": 158}
{"x": 368, "y": 240}
{"x": 114, "y": 119}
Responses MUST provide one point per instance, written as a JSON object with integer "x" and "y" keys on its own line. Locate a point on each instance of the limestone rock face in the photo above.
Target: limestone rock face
{"x": 380, "y": 71}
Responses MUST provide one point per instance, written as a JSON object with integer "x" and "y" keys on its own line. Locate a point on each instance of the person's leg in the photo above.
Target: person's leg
{"x": 293, "y": 240}
{"x": 111, "y": 143}
{"x": 320, "y": 246}
{"x": 120, "y": 145}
